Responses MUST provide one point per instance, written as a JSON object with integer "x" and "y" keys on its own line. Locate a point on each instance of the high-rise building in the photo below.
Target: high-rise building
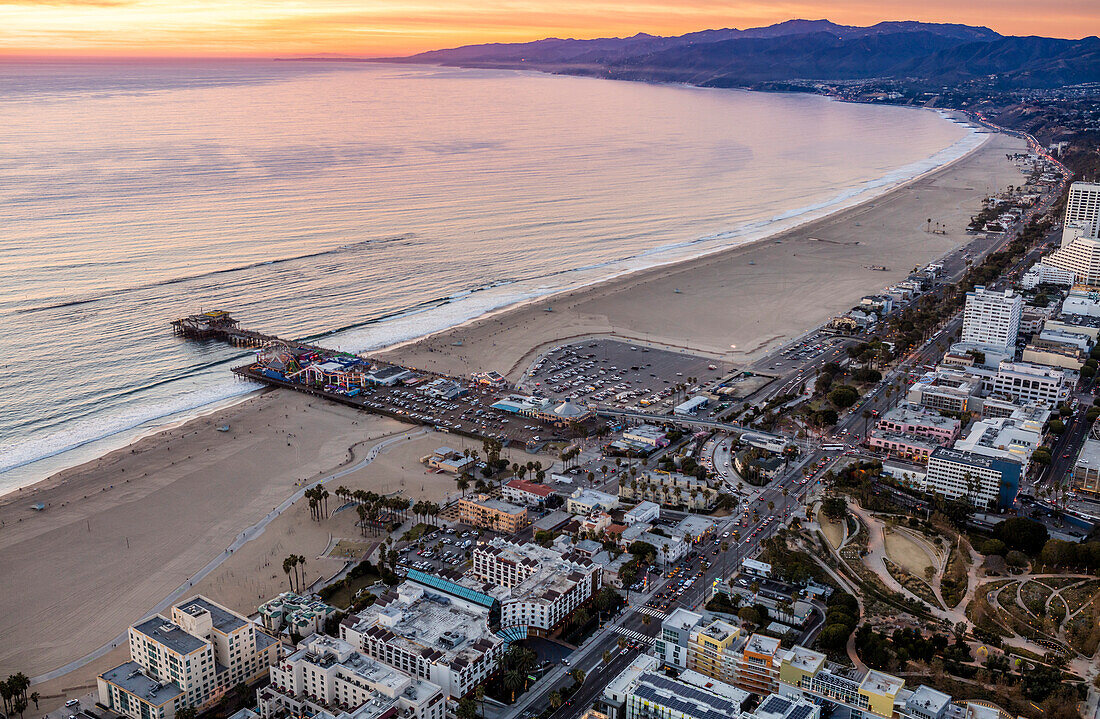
{"x": 992, "y": 320}
{"x": 982, "y": 481}
{"x": 1080, "y": 249}
{"x": 1082, "y": 211}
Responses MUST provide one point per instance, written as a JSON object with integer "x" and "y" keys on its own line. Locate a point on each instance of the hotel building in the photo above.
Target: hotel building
{"x": 991, "y": 320}
{"x": 480, "y": 511}
{"x": 189, "y": 660}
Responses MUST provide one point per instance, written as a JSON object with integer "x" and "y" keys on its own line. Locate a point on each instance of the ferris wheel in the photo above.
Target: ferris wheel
{"x": 277, "y": 355}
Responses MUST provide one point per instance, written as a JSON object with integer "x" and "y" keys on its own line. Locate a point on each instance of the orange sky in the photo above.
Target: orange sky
{"x": 400, "y": 27}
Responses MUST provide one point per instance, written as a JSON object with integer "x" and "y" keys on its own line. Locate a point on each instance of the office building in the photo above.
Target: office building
{"x": 327, "y": 678}
{"x": 980, "y": 480}
{"x": 188, "y": 660}
{"x": 1086, "y": 468}
{"x": 991, "y": 320}
{"x": 1083, "y": 209}
{"x": 919, "y": 422}
{"x": 1011, "y": 438}
{"x": 1029, "y": 383}
{"x": 945, "y": 391}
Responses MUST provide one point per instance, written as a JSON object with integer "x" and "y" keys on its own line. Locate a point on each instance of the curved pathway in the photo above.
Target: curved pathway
{"x": 241, "y": 539}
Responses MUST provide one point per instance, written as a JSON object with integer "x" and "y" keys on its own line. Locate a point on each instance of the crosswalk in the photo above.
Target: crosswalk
{"x": 633, "y": 635}
{"x": 655, "y": 613}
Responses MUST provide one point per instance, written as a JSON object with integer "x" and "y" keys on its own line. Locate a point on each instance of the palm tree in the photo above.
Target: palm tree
{"x": 463, "y": 482}
{"x": 513, "y": 681}
{"x": 35, "y": 696}
{"x": 288, "y": 567}
{"x": 578, "y": 674}
{"x": 555, "y": 699}
{"x": 301, "y": 562}
{"x": 607, "y": 656}
{"x": 866, "y": 414}
{"x": 363, "y": 512}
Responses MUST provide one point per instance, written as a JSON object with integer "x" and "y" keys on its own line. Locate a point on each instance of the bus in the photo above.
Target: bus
{"x": 832, "y": 447}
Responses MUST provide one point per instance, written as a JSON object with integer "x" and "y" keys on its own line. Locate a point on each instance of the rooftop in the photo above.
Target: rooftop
{"x": 759, "y": 644}
{"x": 1089, "y": 457}
{"x": 223, "y": 620}
{"x": 682, "y": 618}
{"x": 428, "y": 624}
{"x": 172, "y": 636}
{"x": 906, "y": 414}
{"x": 496, "y": 505}
{"x": 881, "y": 684}
{"x": 975, "y": 460}
{"x": 687, "y": 699}
{"x": 130, "y": 677}
{"x": 549, "y": 573}
{"x": 929, "y": 700}
{"x": 805, "y": 659}
{"x": 533, "y": 487}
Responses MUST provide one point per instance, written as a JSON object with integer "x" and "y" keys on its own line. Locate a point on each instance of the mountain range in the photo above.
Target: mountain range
{"x": 803, "y": 50}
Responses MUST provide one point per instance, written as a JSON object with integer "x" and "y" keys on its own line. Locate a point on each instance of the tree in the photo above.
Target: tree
{"x": 607, "y": 656}
{"x": 513, "y": 681}
{"x": 750, "y": 615}
{"x": 578, "y": 675}
{"x": 1023, "y": 534}
{"x": 843, "y": 396}
{"x": 555, "y": 700}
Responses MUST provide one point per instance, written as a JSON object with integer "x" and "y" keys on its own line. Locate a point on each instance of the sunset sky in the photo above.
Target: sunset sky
{"x": 400, "y": 27}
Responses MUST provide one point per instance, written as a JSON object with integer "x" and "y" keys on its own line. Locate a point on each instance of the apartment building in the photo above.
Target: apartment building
{"x": 187, "y": 660}
{"x": 326, "y": 678}
{"x": 671, "y": 645}
{"x": 642, "y": 692}
{"x": 295, "y": 614}
{"x": 945, "y": 391}
{"x": 522, "y": 492}
{"x": 715, "y": 650}
{"x": 481, "y": 511}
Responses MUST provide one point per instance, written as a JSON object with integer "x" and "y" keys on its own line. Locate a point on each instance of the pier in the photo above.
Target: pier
{"x": 219, "y": 325}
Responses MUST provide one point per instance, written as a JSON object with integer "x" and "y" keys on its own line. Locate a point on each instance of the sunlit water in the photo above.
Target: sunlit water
{"x": 376, "y": 202}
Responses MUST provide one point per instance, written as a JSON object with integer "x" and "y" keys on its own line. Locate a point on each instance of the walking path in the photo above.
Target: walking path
{"x": 243, "y": 538}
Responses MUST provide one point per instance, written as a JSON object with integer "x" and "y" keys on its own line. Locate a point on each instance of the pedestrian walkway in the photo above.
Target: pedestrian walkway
{"x": 655, "y": 613}
{"x": 632, "y": 635}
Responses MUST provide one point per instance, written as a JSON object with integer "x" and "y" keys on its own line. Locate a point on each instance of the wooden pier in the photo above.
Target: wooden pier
{"x": 219, "y": 325}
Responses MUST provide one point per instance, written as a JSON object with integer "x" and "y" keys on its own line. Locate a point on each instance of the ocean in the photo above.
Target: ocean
{"x": 362, "y": 205}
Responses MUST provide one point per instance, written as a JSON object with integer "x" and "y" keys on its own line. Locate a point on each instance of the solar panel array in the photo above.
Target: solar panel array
{"x": 775, "y": 705}
{"x": 704, "y": 706}
{"x": 801, "y": 712}
{"x": 453, "y": 588}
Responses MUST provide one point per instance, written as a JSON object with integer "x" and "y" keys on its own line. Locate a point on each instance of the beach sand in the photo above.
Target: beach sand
{"x": 741, "y": 303}
{"x": 121, "y": 533}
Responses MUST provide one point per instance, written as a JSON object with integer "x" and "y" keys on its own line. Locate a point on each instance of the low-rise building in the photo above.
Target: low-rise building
{"x": 328, "y": 678}
{"x": 295, "y": 614}
{"x": 692, "y": 406}
{"x": 944, "y": 390}
{"x": 446, "y": 459}
{"x": 587, "y": 501}
{"x": 481, "y": 511}
{"x": 1032, "y": 383}
{"x": 643, "y": 512}
{"x": 641, "y": 692}
{"x": 1086, "y": 468}
{"x": 670, "y": 489}
{"x": 1003, "y": 438}
{"x": 520, "y": 491}
{"x": 919, "y": 422}
{"x": 646, "y": 435}
{"x": 902, "y": 446}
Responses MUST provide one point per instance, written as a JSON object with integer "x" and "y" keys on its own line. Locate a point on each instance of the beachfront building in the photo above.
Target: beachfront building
{"x": 432, "y": 628}
{"x": 1043, "y": 274}
{"x": 980, "y": 480}
{"x": 187, "y": 660}
{"x": 480, "y": 511}
{"x": 590, "y": 501}
{"x": 328, "y": 678}
{"x": 559, "y": 414}
{"x": 445, "y": 459}
{"x": 991, "y": 320}
{"x": 520, "y": 491}
{"x": 295, "y": 614}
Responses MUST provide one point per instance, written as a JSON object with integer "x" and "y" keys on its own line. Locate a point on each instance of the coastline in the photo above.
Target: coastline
{"x": 191, "y": 490}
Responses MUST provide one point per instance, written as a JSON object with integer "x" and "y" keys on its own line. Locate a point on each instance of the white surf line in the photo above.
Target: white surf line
{"x": 241, "y": 539}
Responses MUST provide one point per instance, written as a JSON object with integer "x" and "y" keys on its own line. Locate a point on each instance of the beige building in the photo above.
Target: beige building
{"x": 480, "y": 511}
{"x": 670, "y": 489}
{"x": 189, "y": 660}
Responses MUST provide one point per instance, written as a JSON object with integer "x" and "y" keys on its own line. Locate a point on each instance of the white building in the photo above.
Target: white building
{"x": 991, "y": 320}
{"x": 587, "y": 501}
{"x": 538, "y": 588}
{"x": 1082, "y": 303}
{"x": 1083, "y": 209}
{"x": 646, "y": 435}
{"x": 1080, "y": 248}
{"x": 1004, "y": 438}
{"x": 520, "y": 491}
{"x": 188, "y": 660}
{"x": 327, "y": 678}
{"x": 433, "y": 629}
{"x": 641, "y": 692}
{"x": 983, "y": 481}
{"x": 644, "y": 512}
{"x": 1044, "y": 274}
{"x": 671, "y": 645}
{"x": 1031, "y": 383}
{"x": 295, "y": 614}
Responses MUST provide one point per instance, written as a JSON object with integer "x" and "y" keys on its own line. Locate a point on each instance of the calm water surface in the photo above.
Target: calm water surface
{"x": 377, "y": 203}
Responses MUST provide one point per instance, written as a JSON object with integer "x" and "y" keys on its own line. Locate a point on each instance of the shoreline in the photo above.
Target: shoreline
{"x": 744, "y": 237}
{"x": 163, "y": 507}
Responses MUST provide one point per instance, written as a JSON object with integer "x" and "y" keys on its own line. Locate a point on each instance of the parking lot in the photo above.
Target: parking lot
{"x": 444, "y": 548}
{"x": 620, "y": 374}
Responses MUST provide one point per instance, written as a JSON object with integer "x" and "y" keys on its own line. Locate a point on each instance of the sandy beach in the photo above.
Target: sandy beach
{"x": 741, "y": 303}
{"x": 121, "y": 533}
